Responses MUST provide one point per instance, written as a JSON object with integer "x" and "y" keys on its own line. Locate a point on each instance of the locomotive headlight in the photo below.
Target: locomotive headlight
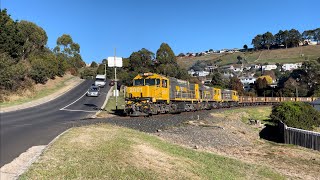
{"x": 147, "y": 100}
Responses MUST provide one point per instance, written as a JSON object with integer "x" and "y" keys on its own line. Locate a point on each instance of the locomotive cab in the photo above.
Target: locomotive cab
{"x": 147, "y": 92}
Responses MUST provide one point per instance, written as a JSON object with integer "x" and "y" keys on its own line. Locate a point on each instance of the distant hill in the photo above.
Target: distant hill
{"x": 290, "y": 55}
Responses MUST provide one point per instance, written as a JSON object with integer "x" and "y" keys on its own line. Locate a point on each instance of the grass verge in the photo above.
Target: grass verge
{"x": 110, "y": 152}
{"x": 37, "y": 94}
{"x": 111, "y": 104}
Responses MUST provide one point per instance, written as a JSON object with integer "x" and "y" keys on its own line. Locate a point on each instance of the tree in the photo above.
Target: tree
{"x": 70, "y": 51}
{"x": 93, "y": 64}
{"x": 32, "y": 36}
{"x": 270, "y": 73}
{"x": 268, "y": 39}
{"x": 239, "y": 58}
{"x": 165, "y": 54}
{"x": 282, "y": 38}
{"x": 141, "y": 61}
{"x": 9, "y": 40}
{"x": 296, "y": 114}
{"x": 217, "y": 79}
{"x": 294, "y": 37}
{"x": 236, "y": 84}
{"x": 308, "y": 34}
{"x": 267, "y": 78}
{"x": 245, "y": 47}
{"x": 260, "y": 86}
{"x": 257, "y": 42}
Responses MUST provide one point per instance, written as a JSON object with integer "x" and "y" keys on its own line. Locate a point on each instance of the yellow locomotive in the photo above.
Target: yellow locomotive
{"x": 153, "y": 94}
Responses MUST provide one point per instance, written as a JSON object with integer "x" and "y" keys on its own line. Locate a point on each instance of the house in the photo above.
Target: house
{"x": 202, "y": 73}
{"x": 211, "y": 68}
{"x": 247, "y": 79}
{"x": 290, "y": 67}
{"x": 198, "y": 73}
{"x": 307, "y": 42}
{"x": 236, "y": 67}
{"x": 269, "y": 67}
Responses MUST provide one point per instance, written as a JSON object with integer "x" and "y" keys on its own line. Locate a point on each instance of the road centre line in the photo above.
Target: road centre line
{"x": 73, "y": 101}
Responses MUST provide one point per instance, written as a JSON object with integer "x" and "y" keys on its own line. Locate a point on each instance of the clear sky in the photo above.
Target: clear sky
{"x": 99, "y": 26}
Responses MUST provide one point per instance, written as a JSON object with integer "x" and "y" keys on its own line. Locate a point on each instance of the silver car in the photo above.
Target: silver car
{"x": 93, "y": 91}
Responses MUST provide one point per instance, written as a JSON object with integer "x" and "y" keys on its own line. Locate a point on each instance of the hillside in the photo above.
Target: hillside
{"x": 290, "y": 55}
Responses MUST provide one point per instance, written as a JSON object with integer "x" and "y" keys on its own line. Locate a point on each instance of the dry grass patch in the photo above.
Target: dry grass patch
{"x": 109, "y": 152}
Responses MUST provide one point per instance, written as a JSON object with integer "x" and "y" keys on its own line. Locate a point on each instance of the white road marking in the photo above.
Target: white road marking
{"x": 73, "y": 101}
{"x": 75, "y": 110}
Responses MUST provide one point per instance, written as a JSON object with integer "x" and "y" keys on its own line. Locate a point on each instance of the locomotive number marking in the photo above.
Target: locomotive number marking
{"x": 135, "y": 89}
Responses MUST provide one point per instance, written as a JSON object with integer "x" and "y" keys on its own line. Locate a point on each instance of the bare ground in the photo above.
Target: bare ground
{"x": 229, "y": 136}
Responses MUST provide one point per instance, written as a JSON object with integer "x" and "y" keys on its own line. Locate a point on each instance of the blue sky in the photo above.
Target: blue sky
{"x": 99, "y": 26}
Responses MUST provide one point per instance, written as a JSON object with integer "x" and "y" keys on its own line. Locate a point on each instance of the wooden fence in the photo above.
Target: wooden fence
{"x": 300, "y": 137}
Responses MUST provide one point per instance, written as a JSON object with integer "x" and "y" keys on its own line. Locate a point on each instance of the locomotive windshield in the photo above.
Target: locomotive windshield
{"x": 147, "y": 82}
{"x": 138, "y": 82}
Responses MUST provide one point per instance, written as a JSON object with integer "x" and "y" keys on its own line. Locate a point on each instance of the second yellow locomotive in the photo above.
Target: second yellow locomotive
{"x": 153, "y": 94}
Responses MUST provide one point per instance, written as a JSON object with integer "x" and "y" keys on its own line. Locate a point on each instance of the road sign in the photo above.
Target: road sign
{"x": 114, "y": 62}
{"x": 116, "y": 93}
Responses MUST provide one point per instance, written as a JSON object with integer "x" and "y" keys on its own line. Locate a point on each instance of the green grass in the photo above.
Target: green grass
{"x": 254, "y": 113}
{"x": 109, "y": 152}
{"x": 111, "y": 104}
{"x": 37, "y": 95}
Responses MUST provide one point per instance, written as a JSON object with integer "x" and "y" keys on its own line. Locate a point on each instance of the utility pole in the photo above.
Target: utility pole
{"x": 105, "y": 71}
{"x": 115, "y": 79}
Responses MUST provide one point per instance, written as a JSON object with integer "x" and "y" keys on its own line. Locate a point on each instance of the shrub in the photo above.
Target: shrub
{"x": 296, "y": 114}
{"x": 88, "y": 73}
{"x": 39, "y": 71}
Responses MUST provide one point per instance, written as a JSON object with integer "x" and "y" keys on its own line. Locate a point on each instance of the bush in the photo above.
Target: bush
{"x": 39, "y": 72}
{"x": 296, "y": 114}
{"x": 88, "y": 73}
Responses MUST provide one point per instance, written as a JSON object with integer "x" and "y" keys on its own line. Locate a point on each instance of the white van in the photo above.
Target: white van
{"x": 100, "y": 80}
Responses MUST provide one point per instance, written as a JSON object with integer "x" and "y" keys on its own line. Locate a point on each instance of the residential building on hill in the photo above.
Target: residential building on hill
{"x": 269, "y": 67}
{"x": 290, "y": 67}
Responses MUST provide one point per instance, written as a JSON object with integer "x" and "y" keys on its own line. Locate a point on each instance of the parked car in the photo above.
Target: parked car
{"x": 93, "y": 91}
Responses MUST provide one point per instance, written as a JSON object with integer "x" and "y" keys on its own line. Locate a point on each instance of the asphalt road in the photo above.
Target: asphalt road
{"x": 22, "y": 129}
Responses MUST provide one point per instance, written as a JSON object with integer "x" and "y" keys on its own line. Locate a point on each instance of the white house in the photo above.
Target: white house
{"x": 198, "y": 73}
{"x": 247, "y": 79}
{"x": 247, "y": 82}
{"x": 269, "y": 67}
{"x": 202, "y": 73}
{"x": 307, "y": 42}
{"x": 290, "y": 67}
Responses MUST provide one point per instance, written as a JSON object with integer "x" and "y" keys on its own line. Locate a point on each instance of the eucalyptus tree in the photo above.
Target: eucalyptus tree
{"x": 257, "y": 42}
{"x": 33, "y": 37}
{"x": 9, "y": 39}
{"x": 268, "y": 39}
{"x": 294, "y": 37}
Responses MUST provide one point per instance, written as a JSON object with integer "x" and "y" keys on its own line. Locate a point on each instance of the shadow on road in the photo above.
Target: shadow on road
{"x": 271, "y": 133}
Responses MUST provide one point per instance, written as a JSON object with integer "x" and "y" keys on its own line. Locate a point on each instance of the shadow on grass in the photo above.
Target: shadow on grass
{"x": 271, "y": 133}
{"x": 118, "y": 112}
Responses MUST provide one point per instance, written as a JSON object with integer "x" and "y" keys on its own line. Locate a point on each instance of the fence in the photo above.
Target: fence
{"x": 308, "y": 139}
